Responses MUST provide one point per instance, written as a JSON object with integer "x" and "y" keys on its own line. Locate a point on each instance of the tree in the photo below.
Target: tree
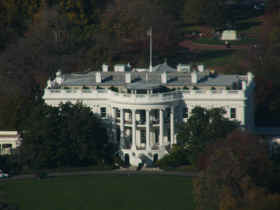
{"x": 68, "y": 135}
{"x": 83, "y": 12}
{"x": 178, "y": 156}
{"x": 211, "y": 13}
{"x": 202, "y": 128}
{"x": 264, "y": 59}
{"x": 48, "y": 45}
{"x": 123, "y": 32}
{"x": 238, "y": 175}
{"x": 174, "y": 8}
{"x": 15, "y": 16}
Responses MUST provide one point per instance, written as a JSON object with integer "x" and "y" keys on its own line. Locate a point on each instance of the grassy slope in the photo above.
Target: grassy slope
{"x": 101, "y": 193}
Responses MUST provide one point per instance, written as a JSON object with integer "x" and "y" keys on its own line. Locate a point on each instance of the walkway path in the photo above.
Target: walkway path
{"x": 126, "y": 172}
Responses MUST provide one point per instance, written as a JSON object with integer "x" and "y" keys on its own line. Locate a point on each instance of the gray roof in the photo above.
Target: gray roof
{"x": 146, "y": 80}
{"x": 220, "y": 80}
{"x": 163, "y": 68}
{"x": 143, "y": 85}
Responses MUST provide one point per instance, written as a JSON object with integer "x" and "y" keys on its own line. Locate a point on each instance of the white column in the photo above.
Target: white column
{"x": 133, "y": 129}
{"x": 121, "y": 127}
{"x": 172, "y": 125}
{"x": 240, "y": 114}
{"x": 114, "y": 131}
{"x": 161, "y": 124}
{"x": 147, "y": 129}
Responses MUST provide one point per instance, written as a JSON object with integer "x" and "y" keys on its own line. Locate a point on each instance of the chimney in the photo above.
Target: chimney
{"x": 244, "y": 85}
{"x": 127, "y": 77}
{"x": 250, "y": 76}
{"x": 179, "y": 67}
{"x": 200, "y": 68}
{"x": 49, "y": 84}
{"x": 164, "y": 77}
{"x": 105, "y": 68}
{"x": 194, "y": 77}
{"x": 98, "y": 77}
{"x": 119, "y": 68}
{"x": 58, "y": 78}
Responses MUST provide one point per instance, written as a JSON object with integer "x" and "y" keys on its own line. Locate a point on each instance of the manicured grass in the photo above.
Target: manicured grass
{"x": 211, "y": 41}
{"x": 215, "y": 57}
{"x": 101, "y": 192}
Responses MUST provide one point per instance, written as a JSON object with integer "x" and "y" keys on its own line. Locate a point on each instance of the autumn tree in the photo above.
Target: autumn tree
{"x": 238, "y": 175}
{"x": 83, "y": 12}
{"x": 123, "y": 32}
{"x": 174, "y": 8}
{"x": 15, "y": 16}
{"x": 264, "y": 60}
{"x": 47, "y": 46}
{"x": 211, "y": 13}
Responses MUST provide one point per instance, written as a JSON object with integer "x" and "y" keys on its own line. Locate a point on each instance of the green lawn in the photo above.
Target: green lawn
{"x": 101, "y": 192}
{"x": 211, "y": 41}
{"x": 215, "y": 57}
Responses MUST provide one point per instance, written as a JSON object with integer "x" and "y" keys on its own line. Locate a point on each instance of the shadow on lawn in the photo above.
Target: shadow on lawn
{"x": 207, "y": 55}
{"x": 242, "y": 26}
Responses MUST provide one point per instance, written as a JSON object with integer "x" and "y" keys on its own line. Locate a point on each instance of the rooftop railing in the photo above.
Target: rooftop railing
{"x": 138, "y": 98}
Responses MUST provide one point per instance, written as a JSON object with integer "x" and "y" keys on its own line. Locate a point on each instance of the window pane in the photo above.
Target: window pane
{"x": 103, "y": 111}
{"x": 233, "y": 113}
{"x": 186, "y": 112}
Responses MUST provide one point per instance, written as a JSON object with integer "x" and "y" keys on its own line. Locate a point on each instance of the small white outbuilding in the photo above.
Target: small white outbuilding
{"x": 229, "y": 35}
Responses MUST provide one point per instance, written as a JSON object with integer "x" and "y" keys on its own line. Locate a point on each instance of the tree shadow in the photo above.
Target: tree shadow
{"x": 242, "y": 26}
{"x": 205, "y": 55}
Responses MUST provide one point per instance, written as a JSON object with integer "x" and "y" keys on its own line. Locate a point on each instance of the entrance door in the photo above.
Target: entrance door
{"x": 126, "y": 160}
{"x": 155, "y": 158}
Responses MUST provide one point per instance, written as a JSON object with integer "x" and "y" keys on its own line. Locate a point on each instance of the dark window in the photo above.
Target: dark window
{"x": 103, "y": 112}
{"x": 232, "y": 113}
{"x": 142, "y": 116}
{"x": 118, "y": 113}
{"x": 156, "y": 136}
{"x": 155, "y": 158}
{"x": 4, "y": 146}
{"x": 126, "y": 160}
{"x": 143, "y": 136}
{"x": 167, "y": 115}
{"x": 186, "y": 112}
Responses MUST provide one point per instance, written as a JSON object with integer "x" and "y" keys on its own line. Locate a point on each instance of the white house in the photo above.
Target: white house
{"x": 9, "y": 140}
{"x": 144, "y": 107}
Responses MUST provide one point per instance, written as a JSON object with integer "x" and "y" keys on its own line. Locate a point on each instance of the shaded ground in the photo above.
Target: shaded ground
{"x": 109, "y": 172}
{"x": 102, "y": 192}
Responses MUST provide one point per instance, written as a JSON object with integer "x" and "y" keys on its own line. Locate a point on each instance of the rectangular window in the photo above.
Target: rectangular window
{"x": 186, "y": 112}
{"x": 142, "y": 116}
{"x": 5, "y": 146}
{"x": 103, "y": 112}
{"x": 143, "y": 136}
{"x": 118, "y": 113}
{"x": 167, "y": 115}
{"x": 232, "y": 113}
{"x": 156, "y": 136}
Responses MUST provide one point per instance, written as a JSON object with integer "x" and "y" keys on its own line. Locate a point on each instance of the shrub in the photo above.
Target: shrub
{"x": 41, "y": 174}
{"x": 177, "y": 157}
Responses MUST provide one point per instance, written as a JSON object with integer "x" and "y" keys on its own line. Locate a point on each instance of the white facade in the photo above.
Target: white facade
{"x": 9, "y": 140}
{"x": 143, "y": 116}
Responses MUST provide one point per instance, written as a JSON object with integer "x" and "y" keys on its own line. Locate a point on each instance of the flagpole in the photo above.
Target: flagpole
{"x": 151, "y": 50}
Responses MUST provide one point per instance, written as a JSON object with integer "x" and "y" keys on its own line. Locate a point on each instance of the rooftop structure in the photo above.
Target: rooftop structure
{"x": 143, "y": 106}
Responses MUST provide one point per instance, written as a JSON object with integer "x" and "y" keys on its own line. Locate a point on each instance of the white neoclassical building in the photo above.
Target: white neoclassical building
{"x": 9, "y": 140}
{"x": 144, "y": 106}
